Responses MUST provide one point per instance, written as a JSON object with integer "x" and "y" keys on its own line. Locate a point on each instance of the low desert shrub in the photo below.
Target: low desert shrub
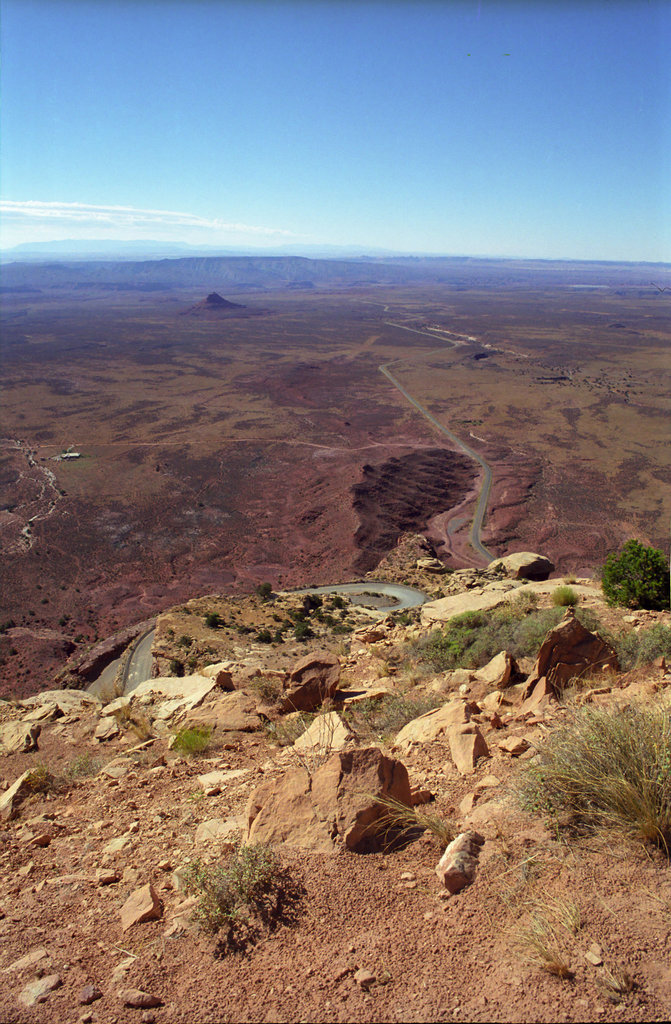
{"x": 564, "y": 597}
{"x": 241, "y": 898}
{"x": 39, "y": 779}
{"x": 474, "y": 638}
{"x": 128, "y": 718}
{"x": 379, "y": 719}
{"x": 191, "y": 742}
{"x": 82, "y": 767}
{"x": 286, "y": 731}
{"x": 268, "y": 688}
{"x": 608, "y": 769}
{"x": 302, "y": 631}
{"x": 213, "y": 620}
{"x": 642, "y": 648}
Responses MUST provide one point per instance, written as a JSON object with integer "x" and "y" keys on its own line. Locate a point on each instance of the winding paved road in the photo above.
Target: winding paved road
{"x": 481, "y": 507}
{"x": 138, "y": 666}
{"x": 403, "y": 597}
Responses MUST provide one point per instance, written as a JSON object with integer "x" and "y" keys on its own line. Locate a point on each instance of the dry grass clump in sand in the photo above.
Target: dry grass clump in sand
{"x": 545, "y": 939}
{"x": 400, "y": 823}
{"x": 609, "y": 770}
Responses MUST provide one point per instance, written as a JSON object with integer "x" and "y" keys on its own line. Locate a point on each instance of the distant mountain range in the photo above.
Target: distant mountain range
{"x": 143, "y": 249}
{"x": 264, "y": 273}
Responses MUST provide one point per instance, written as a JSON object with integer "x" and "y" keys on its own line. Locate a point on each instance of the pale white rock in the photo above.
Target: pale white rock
{"x": 376, "y": 693}
{"x": 42, "y": 713}
{"x": 434, "y": 725}
{"x": 106, "y": 729}
{"x": 11, "y": 798}
{"x": 430, "y": 565}
{"x": 29, "y": 960}
{"x": 217, "y": 830}
{"x": 214, "y": 782}
{"x": 68, "y": 702}
{"x": 38, "y": 991}
{"x": 19, "y": 737}
{"x": 327, "y": 732}
{"x": 456, "y": 868}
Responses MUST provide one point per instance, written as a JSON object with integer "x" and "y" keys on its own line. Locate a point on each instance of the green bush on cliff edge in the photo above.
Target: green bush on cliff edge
{"x": 638, "y": 577}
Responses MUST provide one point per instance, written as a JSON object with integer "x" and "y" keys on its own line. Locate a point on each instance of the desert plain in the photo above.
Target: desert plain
{"x": 221, "y": 446}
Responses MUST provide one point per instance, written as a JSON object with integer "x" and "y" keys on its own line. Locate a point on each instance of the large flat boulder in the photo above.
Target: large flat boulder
{"x": 445, "y": 608}
{"x": 172, "y": 696}
{"x": 311, "y": 681}
{"x": 231, "y": 712}
{"x": 434, "y": 725}
{"x": 67, "y": 701}
{"x": 335, "y": 806}
{"x": 493, "y": 594}
{"x": 524, "y": 565}
{"x": 19, "y": 737}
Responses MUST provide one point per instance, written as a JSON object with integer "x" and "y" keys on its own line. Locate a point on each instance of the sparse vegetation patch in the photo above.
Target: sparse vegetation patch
{"x": 644, "y": 647}
{"x": 251, "y": 893}
{"x": 191, "y": 742}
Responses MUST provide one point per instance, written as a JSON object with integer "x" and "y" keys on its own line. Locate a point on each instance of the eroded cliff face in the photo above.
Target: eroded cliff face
{"x": 402, "y": 494}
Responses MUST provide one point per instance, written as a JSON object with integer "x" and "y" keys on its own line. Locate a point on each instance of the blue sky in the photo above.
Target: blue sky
{"x": 477, "y": 127}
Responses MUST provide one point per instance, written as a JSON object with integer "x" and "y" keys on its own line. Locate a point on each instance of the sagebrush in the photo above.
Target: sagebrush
{"x": 250, "y": 893}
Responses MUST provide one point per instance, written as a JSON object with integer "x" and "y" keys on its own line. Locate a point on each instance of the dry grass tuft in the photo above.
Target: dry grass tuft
{"x": 610, "y": 770}
{"x": 127, "y": 718}
{"x": 248, "y": 895}
{"x": 564, "y": 597}
{"x": 401, "y": 823}
{"x": 545, "y": 940}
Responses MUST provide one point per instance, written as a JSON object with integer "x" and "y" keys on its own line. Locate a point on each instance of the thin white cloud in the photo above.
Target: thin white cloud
{"x": 32, "y": 210}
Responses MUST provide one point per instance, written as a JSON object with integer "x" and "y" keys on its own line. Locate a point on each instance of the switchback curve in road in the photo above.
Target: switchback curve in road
{"x": 138, "y": 666}
{"x": 483, "y": 498}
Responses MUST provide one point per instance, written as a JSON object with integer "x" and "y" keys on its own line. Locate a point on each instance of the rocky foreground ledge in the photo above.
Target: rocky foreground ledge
{"x": 406, "y": 860}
